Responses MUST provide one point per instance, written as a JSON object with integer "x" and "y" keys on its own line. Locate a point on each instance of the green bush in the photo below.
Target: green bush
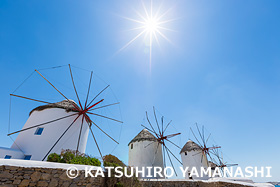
{"x": 85, "y": 160}
{"x": 73, "y": 157}
{"x": 110, "y": 164}
{"x": 111, "y": 160}
{"x": 67, "y": 156}
{"x": 54, "y": 158}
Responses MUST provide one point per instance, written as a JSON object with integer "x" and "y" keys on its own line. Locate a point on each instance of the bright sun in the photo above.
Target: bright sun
{"x": 150, "y": 25}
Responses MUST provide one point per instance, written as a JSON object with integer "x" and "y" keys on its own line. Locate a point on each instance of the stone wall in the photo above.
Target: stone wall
{"x": 34, "y": 176}
{"x": 20, "y": 176}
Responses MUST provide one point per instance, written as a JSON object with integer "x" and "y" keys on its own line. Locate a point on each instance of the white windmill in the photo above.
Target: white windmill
{"x": 39, "y": 132}
{"x": 61, "y": 125}
{"x": 194, "y": 155}
{"x": 149, "y": 147}
{"x": 144, "y": 151}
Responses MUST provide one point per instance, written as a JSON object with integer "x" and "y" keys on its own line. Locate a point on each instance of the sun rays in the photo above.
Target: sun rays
{"x": 151, "y": 25}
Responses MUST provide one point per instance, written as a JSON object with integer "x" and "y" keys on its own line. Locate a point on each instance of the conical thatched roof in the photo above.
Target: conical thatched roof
{"x": 142, "y": 136}
{"x": 65, "y": 104}
{"x": 190, "y": 146}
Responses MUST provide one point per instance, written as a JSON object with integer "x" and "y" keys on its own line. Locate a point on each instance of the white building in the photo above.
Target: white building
{"x": 35, "y": 143}
{"x": 145, "y": 151}
{"x": 8, "y": 153}
{"x": 192, "y": 156}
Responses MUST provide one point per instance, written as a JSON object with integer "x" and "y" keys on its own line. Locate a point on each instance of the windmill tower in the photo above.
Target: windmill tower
{"x": 156, "y": 149}
{"x": 144, "y": 151}
{"x": 196, "y": 154}
{"x": 62, "y": 125}
{"x": 192, "y": 156}
{"x": 35, "y": 142}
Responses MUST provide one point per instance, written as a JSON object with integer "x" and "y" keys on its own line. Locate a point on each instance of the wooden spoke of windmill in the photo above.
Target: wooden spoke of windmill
{"x": 81, "y": 110}
{"x": 206, "y": 150}
{"x": 220, "y": 160}
{"x": 159, "y": 132}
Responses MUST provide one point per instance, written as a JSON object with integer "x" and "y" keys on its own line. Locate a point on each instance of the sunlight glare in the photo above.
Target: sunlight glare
{"x": 151, "y": 26}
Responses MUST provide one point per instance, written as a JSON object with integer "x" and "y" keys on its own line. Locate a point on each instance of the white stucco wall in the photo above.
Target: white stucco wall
{"x": 39, "y": 145}
{"x": 15, "y": 154}
{"x": 40, "y": 164}
{"x": 193, "y": 159}
{"x": 141, "y": 156}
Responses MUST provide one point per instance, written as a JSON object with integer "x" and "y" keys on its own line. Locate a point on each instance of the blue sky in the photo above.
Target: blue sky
{"x": 221, "y": 70}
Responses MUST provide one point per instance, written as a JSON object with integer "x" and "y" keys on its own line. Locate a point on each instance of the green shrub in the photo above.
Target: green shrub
{"x": 73, "y": 157}
{"x": 111, "y": 160}
{"x": 67, "y": 156}
{"x": 110, "y": 164}
{"x": 54, "y": 158}
{"x": 85, "y": 160}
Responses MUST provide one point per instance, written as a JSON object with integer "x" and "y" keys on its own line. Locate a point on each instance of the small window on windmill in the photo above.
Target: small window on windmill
{"x": 39, "y": 131}
{"x": 131, "y": 146}
{"x": 186, "y": 153}
{"x": 8, "y": 157}
{"x": 27, "y": 157}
